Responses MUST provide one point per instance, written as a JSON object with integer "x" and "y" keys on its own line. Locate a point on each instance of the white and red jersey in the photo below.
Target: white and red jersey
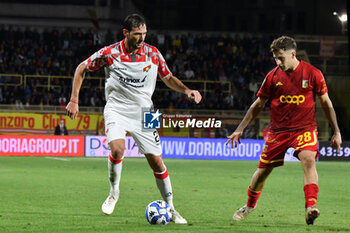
{"x": 130, "y": 78}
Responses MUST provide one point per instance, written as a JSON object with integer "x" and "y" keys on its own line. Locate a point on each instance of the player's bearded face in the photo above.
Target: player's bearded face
{"x": 136, "y": 37}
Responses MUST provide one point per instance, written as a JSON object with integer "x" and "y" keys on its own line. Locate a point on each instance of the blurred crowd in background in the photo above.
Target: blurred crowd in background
{"x": 235, "y": 60}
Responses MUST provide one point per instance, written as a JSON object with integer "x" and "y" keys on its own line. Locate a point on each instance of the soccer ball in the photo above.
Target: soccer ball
{"x": 158, "y": 212}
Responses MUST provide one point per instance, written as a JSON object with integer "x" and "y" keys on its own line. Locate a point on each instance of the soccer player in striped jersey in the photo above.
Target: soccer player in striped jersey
{"x": 291, "y": 87}
{"x": 131, "y": 68}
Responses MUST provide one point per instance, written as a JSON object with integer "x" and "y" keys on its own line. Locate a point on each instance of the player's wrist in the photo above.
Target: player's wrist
{"x": 74, "y": 101}
{"x": 239, "y": 131}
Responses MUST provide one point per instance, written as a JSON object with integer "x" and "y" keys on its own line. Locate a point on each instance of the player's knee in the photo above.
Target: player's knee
{"x": 117, "y": 152}
{"x": 308, "y": 160}
{"x": 117, "y": 148}
{"x": 263, "y": 173}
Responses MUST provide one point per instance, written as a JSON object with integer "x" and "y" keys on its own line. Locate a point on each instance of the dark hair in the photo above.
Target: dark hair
{"x": 283, "y": 43}
{"x": 133, "y": 21}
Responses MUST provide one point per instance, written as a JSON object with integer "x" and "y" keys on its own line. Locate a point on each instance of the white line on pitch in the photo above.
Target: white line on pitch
{"x": 63, "y": 159}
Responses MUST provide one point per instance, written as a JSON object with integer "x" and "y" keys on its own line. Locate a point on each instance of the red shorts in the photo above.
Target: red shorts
{"x": 277, "y": 144}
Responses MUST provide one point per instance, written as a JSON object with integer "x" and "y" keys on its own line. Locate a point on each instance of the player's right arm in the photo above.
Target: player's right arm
{"x": 93, "y": 63}
{"x": 72, "y": 108}
{"x": 251, "y": 114}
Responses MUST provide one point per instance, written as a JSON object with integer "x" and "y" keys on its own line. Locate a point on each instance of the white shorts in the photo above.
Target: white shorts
{"x": 117, "y": 125}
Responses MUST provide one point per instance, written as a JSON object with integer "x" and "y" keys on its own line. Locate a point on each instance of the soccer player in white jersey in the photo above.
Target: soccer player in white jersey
{"x": 131, "y": 68}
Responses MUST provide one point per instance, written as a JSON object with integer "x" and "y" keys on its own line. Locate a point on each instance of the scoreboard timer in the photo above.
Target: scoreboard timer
{"x": 328, "y": 153}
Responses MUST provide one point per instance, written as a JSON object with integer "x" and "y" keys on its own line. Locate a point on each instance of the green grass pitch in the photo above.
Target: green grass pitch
{"x": 40, "y": 194}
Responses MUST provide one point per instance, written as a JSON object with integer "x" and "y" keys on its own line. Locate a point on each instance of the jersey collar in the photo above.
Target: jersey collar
{"x": 299, "y": 66}
{"x": 139, "y": 52}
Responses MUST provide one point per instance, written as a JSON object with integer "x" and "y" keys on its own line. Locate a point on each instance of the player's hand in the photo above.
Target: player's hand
{"x": 233, "y": 138}
{"x": 336, "y": 141}
{"x": 195, "y": 95}
{"x": 72, "y": 110}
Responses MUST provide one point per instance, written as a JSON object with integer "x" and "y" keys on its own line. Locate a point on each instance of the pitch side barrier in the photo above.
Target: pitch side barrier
{"x": 186, "y": 148}
{"x": 25, "y": 145}
{"x": 173, "y": 147}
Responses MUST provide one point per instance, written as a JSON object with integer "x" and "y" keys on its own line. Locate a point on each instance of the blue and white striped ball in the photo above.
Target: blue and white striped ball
{"x": 158, "y": 212}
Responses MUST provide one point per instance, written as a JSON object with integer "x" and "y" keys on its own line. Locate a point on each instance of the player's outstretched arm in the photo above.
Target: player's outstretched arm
{"x": 328, "y": 109}
{"x": 176, "y": 85}
{"x": 252, "y": 112}
{"x": 72, "y": 107}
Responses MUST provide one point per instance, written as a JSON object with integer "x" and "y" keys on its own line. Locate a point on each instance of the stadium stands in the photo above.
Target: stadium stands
{"x": 240, "y": 61}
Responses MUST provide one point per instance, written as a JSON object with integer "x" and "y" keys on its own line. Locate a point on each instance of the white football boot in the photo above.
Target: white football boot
{"x": 176, "y": 217}
{"x": 109, "y": 204}
{"x": 243, "y": 212}
{"x": 311, "y": 213}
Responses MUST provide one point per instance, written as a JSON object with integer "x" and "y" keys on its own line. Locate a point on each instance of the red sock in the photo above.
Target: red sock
{"x": 113, "y": 160}
{"x": 252, "y": 197}
{"x": 311, "y": 193}
{"x": 161, "y": 175}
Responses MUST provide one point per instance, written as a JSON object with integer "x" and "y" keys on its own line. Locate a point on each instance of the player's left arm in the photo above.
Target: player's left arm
{"x": 328, "y": 109}
{"x": 175, "y": 84}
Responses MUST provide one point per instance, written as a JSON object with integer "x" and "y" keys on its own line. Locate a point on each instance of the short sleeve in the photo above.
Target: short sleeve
{"x": 163, "y": 69}
{"x": 265, "y": 89}
{"x": 97, "y": 60}
{"x": 320, "y": 85}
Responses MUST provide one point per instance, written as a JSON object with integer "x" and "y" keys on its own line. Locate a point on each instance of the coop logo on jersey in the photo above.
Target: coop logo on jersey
{"x": 305, "y": 83}
{"x": 292, "y": 99}
{"x": 147, "y": 68}
{"x": 151, "y": 119}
